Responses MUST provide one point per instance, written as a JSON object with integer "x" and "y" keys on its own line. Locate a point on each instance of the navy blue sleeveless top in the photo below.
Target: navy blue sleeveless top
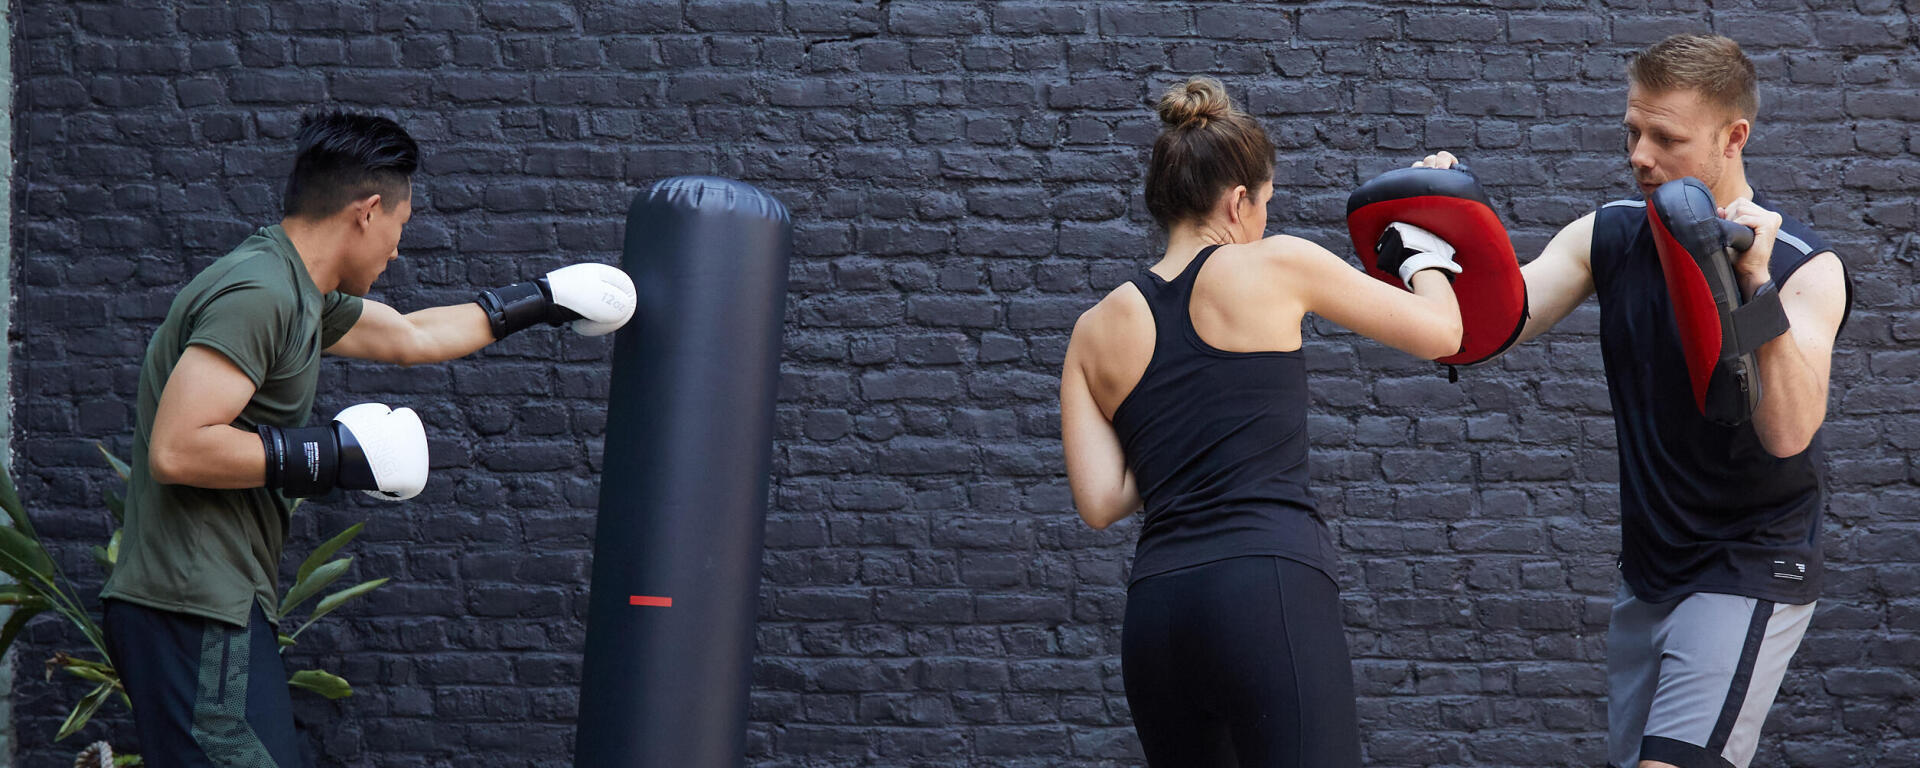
{"x": 1217, "y": 442}
{"x": 1703, "y": 507}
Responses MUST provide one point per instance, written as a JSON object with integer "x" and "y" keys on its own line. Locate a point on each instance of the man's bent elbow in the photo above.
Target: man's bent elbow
{"x": 164, "y": 465}
{"x": 1784, "y": 445}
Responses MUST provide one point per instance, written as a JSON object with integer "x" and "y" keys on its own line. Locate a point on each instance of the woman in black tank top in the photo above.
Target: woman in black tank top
{"x": 1184, "y": 395}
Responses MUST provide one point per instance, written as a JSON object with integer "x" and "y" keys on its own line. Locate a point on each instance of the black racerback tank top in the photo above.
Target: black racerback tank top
{"x": 1217, "y": 442}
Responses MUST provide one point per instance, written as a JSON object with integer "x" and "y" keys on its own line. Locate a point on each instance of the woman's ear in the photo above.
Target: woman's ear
{"x": 1235, "y": 198}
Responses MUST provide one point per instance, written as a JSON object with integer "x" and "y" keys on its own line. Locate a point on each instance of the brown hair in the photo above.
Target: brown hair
{"x": 1205, "y": 147}
{"x": 1710, "y": 65}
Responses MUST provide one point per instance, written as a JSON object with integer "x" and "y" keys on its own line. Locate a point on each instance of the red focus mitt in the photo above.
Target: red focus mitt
{"x": 1450, "y": 204}
{"x": 1718, "y": 330}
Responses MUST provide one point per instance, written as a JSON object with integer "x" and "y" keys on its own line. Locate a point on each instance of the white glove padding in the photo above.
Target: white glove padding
{"x": 382, "y": 451}
{"x": 1428, "y": 251}
{"x": 601, "y": 294}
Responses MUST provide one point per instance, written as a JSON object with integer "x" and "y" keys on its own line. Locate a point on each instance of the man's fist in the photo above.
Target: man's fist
{"x": 596, "y": 298}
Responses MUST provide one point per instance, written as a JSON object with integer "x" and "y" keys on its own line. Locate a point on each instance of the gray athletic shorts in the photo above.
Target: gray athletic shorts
{"x": 1689, "y": 682}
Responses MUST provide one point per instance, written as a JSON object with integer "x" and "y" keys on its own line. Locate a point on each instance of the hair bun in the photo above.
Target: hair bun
{"x": 1195, "y": 103}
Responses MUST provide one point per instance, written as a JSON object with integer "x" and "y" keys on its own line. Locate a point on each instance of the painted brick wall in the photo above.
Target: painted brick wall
{"x": 964, "y": 178}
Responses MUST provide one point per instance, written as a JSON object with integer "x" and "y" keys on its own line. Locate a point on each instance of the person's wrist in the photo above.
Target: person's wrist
{"x": 1751, "y": 280}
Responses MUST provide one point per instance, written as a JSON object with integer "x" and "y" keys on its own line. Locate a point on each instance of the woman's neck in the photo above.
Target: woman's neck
{"x": 1185, "y": 241}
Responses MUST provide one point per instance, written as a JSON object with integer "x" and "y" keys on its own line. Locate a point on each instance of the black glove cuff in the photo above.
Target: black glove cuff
{"x": 512, "y": 308}
{"x": 1389, "y": 253}
{"x": 516, "y": 306}
{"x": 301, "y": 462}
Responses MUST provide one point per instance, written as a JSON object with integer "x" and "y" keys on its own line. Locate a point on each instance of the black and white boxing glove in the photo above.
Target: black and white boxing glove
{"x": 1404, "y": 249}
{"x": 368, "y": 447}
{"x": 596, "y": 298}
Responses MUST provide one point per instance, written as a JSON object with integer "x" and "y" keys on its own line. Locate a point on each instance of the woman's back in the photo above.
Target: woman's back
{"x": 1215, "y": 437}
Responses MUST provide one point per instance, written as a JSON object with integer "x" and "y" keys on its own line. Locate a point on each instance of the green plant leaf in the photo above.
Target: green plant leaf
{"x": 10, "y": 499}
{"x": 119, "y": 760}
{"x": 307, "y": 587}
{"x": 15, "y": 623}
{"x": 102, "y": 559}
{"x": 88, "y": 670}
{"x": 22, "y": 557}
{"x": 83, "y": 711}
{"x": 23, "y": 594}
{"x": 113, "y": 548}
{"x": 326, "y": 684}
{"x": 75, "y": 661}
{"x": 286, "y": 640}
{"x": 93, "y": 675}
{"x": 326, "y": 550}
{"x": 119, "y": 467}
{"x": 117, "y": 506}
{"x": 330, "y": 602}
{"x": 116, "y": 503}
{"x": 40, "y": 603}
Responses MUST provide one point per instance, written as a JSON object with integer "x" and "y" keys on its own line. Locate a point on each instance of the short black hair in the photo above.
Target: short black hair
{"x": 345, "y": 156}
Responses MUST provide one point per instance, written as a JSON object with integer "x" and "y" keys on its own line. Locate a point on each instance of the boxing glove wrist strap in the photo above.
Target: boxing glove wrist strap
{"x": 514, "y": 307}
{"x": 302, "y": 461}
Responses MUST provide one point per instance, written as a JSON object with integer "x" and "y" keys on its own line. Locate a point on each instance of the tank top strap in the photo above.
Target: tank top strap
{"x": 1169, "y": 300}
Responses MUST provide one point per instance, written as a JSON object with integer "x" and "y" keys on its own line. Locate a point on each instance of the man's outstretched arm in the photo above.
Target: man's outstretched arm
{"x": 595, "y": 298}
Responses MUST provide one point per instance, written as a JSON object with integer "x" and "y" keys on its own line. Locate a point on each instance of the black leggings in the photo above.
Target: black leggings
{"x": 1240, "y": 662}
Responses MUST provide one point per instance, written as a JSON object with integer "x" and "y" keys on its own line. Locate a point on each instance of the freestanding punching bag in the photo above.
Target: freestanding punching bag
{"x": 683, "y": 494}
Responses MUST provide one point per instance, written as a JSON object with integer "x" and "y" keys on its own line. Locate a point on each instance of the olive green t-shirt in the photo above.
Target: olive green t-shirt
{"x": 207, "y": 552}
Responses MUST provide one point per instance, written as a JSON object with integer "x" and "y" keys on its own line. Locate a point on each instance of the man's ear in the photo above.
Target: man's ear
{"x": 363, "y": 210}
{"x": 1737, "y": 137}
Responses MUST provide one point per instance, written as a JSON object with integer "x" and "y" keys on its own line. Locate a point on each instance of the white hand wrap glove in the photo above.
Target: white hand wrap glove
{"x": 1407, "y": 249}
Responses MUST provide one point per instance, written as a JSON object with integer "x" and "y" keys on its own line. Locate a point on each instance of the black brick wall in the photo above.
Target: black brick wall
{"x": 964, "y": 179}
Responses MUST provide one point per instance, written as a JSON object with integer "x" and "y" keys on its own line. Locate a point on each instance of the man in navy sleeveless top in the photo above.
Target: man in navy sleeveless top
{"x": 1720, "y": 555}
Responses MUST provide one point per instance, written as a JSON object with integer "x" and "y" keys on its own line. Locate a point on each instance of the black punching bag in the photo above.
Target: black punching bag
{"x": 683, "y": 495}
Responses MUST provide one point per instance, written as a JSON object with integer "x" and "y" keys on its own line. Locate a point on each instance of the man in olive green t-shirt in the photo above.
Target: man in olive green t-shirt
{"x": 221, "y": 440}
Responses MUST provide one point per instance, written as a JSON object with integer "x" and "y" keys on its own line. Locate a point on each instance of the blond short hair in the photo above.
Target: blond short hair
{"x": 1711, "y": 65}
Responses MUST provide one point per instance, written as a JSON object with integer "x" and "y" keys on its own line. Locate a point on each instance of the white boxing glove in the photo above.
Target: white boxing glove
{"x": 596, "y": 298}
{"x": 368, "y": 447}
{"x": 1405, "y": 249}
{"x": 382, "y": 451}
{"x": 600, "y": 294}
